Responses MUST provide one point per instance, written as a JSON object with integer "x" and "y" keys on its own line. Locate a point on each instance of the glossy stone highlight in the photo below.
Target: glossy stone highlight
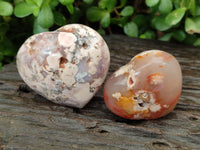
{"x": 148, "y": 87}
{"x": 66, "y": 66}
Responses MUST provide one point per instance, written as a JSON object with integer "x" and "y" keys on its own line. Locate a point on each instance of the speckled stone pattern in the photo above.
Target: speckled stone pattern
{"x": 148, "y": 87}
{"x": 66, "y": 66}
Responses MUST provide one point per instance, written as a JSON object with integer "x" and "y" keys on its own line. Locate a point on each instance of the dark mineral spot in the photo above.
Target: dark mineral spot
{"x": 62, "y": 63}
{"x": 32, "y": 43}
{"x": 31, "y": 51}
{"x": 131, "y": 81}
{"x": 85, "y": 45}
{"x": 141, "y": 104}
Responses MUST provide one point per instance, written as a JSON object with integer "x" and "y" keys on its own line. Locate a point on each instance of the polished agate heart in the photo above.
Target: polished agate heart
{"x": 148, "y": 87}
{"x": 66, "y": 66}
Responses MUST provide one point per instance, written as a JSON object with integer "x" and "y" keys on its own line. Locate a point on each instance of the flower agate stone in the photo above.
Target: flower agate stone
{"x": 66, "y": 66}
{"x": 148, "y": 87}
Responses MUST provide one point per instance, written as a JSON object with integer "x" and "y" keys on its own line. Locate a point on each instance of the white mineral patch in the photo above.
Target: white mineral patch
{"x": 165, "y": 106}
{"x": 97, "y": 82}
{"x": 155, "y": 107}
{"x": 82, "y": 31}
{"x": 152, "y": 99}
{"x": 80, "y": 76}
{"x": 92, "y": 68}
{"x": 131, "y": 80}
{"x": 69, "y": 56}
{"x": 94, "y": 61}
{"x": 146, "y": 53}
{"x": 138, "y": 108}
{"x": 66, "y": 39}
{"x": 138, "y": 116}
{"x": 116, "y": 95}
{"x": 67, "y": 75}
{"x": 123, "y": 69}
{"x": 53, "y": 61}
{"x": 82, "y": 93}
{"x": 35, "y": 73}
{"x": 156, "y": 79}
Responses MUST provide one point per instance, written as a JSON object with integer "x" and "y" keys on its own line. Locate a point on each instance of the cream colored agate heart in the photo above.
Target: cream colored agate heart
{"x": 66, "y": 66}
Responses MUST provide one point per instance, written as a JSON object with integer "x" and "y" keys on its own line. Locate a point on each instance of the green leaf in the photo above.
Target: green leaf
{"x": 131, "y": 29}
{"x": 197, "y": 42}
{"x": 101, "y": 31}
{"x": 3, "y": 29}
{"x": 39, "y": 2}
{"x": 59, "y": 18}
{"x": 37, "y": 28}
{"x": 103, "y": 3}
{"x": 66, "y": 2}
{"x": 46, "y": 2}
{"x": 18, "y": 1}
{"x": 109, "y": 4}
{"x": 46, "y": 18}
{"x": 88, "y": 1}
{"x": 122, "y": 3}
{"x": 7, "y": 47}
{"x": 70, "y": 8}
{"x": 119, "y": 21}
{"x": 6, "y": 8}
{"x": 76, "y": 15}
{"x": 192, "y": 25}
{"x": 36, "y": 12}
{"x": 95, "y": 14}
{"x": 177, "y": 3}
{"x": 160, "y": 24}
{"x": 192, "y": 7}
{"x": 184, "y": 3}
{"x": 105, "y": 21}
{"x": 148, "y": 35}
{"x": 166, "y": 37}
{"x": 54, "y": 3}
{"x": 165, "y": 6}
{"x": 151, "y": 3}
{"x": 175, "y": 16}
{"x": 140, "y": 20}
{"x": 127, "y": 11}
{"x": 197, "y": 12}
{"x": 24, "y": 9}
{"x": 30, "y": 2}
{"x": 190, "y": 39}
{"x": 179, "y": 35}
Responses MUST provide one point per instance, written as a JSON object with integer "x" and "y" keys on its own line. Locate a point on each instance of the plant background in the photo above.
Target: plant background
{"x": 166, "y": 20}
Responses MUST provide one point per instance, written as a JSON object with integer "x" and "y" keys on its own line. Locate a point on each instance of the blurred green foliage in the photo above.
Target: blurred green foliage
{"x": 165, "y": 20}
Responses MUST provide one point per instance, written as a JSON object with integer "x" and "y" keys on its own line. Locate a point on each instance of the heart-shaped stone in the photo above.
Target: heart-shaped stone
{"x": 66, "y": 66}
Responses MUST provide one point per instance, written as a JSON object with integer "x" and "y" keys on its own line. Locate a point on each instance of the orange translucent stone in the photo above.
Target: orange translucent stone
{"x": 148, "y": 87}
